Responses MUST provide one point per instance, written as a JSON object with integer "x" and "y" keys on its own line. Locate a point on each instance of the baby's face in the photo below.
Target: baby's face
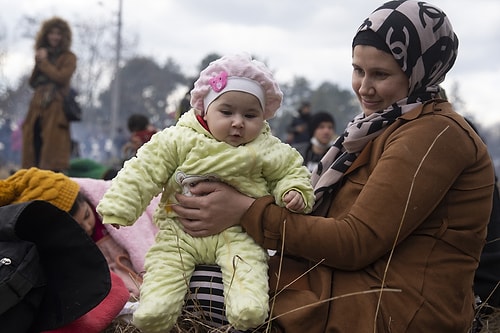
{"x": 235, "y": 117}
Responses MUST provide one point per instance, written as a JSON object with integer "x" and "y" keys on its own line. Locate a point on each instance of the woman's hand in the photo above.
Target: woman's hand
{"x": 41, "y": 54}
{"x": 213, "y": 208}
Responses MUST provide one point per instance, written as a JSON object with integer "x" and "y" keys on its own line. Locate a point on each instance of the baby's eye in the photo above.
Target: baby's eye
{"x": 250, "y": 115}
{"x": 226, "y": 112}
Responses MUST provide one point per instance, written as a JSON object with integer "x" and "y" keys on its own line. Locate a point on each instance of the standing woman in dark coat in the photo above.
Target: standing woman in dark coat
{"x": 46, "y": 131}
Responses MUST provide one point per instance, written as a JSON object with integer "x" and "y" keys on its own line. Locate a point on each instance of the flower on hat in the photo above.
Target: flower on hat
{"x": 219, "y": 82}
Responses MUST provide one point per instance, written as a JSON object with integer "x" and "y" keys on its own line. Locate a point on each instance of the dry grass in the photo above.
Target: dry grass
{"x": 488, "y": 320}
{"x": 121, "y": 326}
{"x": 187, "y": 323}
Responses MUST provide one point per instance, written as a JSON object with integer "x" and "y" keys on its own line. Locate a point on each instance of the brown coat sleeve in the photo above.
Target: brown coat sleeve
{"x": 60, "y": 72}
{"x": 269, "y": 224}
{"x": 416, "y": 177}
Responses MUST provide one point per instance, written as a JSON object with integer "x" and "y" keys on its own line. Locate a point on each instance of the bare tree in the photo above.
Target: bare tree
{"x": 94, "y": 49}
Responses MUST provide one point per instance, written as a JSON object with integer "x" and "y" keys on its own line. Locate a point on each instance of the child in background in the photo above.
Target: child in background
{"x": 141, "y": 132}
{"x": 225, "y": 138}
{"x": 64, "y": 193}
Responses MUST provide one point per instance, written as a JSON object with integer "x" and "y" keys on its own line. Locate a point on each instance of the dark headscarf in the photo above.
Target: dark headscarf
{"x": 421, "y": 39}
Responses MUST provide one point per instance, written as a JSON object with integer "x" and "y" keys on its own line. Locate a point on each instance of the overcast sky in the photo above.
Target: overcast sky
{"x": 295, "y": 37}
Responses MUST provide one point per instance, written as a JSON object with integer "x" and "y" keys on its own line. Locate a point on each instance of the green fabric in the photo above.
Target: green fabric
{"x": 86, "y": 168}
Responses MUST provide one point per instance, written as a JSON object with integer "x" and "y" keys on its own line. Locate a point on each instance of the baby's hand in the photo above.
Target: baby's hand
{"x": 294, "y": 201}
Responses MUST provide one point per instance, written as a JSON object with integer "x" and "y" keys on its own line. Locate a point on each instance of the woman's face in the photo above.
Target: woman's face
{"x": 85, "y": 218}
{"x": 377, "y": 79}
{"x": 54, "y": 37}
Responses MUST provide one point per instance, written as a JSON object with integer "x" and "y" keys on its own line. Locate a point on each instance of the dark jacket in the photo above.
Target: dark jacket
{"x": 488, "y": 272}
{"x": 65, "y": 278}
{"x": 301, "y": 120}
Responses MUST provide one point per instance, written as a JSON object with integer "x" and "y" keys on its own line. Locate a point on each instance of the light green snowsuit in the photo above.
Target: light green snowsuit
{"x": 183, "y": 152}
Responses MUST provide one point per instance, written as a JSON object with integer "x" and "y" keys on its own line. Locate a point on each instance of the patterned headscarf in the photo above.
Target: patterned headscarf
{"x": 421, "y": 39}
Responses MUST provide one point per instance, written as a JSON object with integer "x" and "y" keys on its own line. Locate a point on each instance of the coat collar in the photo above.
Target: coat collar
{"x": 365, "y": 154}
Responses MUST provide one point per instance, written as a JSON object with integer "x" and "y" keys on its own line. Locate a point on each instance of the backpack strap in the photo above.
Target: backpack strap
{"x": 20, "y": 271}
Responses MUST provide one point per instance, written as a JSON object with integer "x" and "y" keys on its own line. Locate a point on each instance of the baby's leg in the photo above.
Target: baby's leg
{"x": 168, "y": 270}
{"x": 244, "y": 272}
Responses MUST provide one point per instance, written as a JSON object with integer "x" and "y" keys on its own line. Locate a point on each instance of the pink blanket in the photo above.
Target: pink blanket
{"x": 136, "y": 239}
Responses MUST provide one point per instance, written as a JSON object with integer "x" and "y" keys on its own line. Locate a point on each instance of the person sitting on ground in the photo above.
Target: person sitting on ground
{"x": 403, "y": 197}
{"x": 59, "y": 190}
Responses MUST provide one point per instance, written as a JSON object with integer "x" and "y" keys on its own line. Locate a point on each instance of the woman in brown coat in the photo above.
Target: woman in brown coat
{"x": 46, "y": 131}
{"x": 404, "y": 197}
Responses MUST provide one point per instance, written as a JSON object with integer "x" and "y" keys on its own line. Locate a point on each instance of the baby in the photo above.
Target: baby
{"x": 225, "y": 137}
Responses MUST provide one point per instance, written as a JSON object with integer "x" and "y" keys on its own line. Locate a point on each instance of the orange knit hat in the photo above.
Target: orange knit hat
{"x": 36, "y": 184}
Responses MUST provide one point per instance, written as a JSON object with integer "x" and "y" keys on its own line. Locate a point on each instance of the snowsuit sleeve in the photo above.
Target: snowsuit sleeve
{"x": 141, "y": 178}
{"x": 284, "y": 170}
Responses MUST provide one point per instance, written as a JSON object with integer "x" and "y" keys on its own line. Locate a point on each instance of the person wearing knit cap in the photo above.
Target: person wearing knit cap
{"x": 322, "y": 135}
{"x": 225, "y": 137}
{"x": 54, "y": 187}
{"x": 64, "y": 193}
{"x": 36, "y": 184}
{"x": 33, "y": 184}
{"x": 403, "y": 196}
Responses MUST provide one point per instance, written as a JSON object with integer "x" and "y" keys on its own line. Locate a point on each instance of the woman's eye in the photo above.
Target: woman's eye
{"x": 358, "y": 71}
{"x": 381, "y": 75}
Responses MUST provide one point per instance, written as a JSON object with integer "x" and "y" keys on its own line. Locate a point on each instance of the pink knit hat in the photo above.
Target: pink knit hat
{"x": 237, "y": 73}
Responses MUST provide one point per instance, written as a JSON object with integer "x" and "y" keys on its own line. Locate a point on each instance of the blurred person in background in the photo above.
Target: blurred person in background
{"x": 46, "y": 131}
{"x": 298, "y": 130}
{"x": 322, "y": 135}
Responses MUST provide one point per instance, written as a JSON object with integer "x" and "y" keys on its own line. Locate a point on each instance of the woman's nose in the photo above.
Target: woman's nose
{"x": 366, "y": 86}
